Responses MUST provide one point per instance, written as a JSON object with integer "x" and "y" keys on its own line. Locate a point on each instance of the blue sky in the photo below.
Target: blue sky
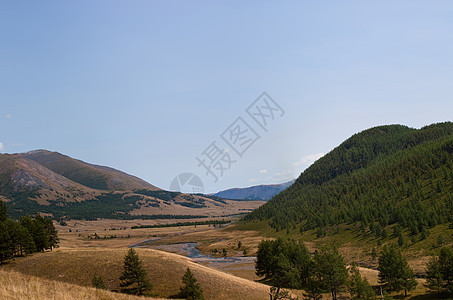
{"x": 147, "y": 86}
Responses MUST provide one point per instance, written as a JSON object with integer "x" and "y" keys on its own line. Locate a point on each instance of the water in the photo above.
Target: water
{"x": 191, "y": 251}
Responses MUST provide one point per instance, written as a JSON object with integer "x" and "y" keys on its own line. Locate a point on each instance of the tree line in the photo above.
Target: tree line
{"x": 180, "y": 224}
{"x": 26, "y": 236}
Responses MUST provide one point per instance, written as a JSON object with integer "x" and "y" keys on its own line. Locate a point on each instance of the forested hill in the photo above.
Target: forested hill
{"x": 387, "y": 174}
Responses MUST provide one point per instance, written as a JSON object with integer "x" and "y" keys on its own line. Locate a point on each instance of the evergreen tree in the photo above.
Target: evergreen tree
{"x": 134, "y": 279}
{"x": 439, "y": 272}
{"x": 5, "y": 243}
{"x": 394, "y": 271}
{"x": 51, "y": 233}
{"x": 3, "y": 212}
{"x": 191, "y": 289}
{"x": 38, "y": 231}
{"x": 98, "y": 282}
{"x": 401, "y": 240}
{"x": 434, "y": 278}
{"x": 374, "y": 254}
{"x": 330, "y": 270}
{"x": 359, "y": 287}
{"x": 25, "y": 241}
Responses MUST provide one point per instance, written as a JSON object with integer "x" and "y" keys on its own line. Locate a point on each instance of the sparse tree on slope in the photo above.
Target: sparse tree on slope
{"x": 191, "y": 289}
{"x": 134, "y": 279}
{"x": 98, "y": 282}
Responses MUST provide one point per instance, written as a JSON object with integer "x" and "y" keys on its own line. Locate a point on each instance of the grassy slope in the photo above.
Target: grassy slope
{"x": 165, "y": 270}
{"x": 17, "y": 286}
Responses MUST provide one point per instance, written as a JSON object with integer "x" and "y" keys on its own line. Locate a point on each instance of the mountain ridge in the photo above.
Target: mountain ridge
{"x": 261, "y": 192}
{"x": 51, "y": 183}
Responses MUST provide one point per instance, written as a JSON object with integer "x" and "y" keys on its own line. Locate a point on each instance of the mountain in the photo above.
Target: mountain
{"x": 92, "y": 176}
{"x": 382, "y": 176}
{"x": 258, "y": 192}
{"x": 51, "y": 183}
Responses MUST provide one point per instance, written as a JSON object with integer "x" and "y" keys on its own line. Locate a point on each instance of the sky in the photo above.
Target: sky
{"x": 147, "y": 87}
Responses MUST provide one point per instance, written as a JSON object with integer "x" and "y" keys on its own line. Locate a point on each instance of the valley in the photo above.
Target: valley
{"x": 386, "y": 187}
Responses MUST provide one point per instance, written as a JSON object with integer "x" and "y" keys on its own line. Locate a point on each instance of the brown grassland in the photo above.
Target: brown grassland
{"x": 80, "y": 257}
{"x": 18, "y": 286}
{"x": 165, "y": 270}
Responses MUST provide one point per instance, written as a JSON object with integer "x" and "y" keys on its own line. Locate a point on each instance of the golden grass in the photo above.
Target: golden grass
{"x": 165, "y": 270}
{"x": 19, "y": 286}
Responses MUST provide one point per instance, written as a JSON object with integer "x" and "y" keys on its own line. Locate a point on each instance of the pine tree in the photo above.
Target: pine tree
{"x": 98, "y": 282}
{"x": 374, "y": 254}
{"x": 134, "y": 279}
{"x": 439, "y": 272}
{"x": 401, "y": 240}
{"x": 25, "y": 241}
{"x": 359, "y": 287}
{"x": 5, "y": 243}
{"x": 394, "y": 271}
{"x": 434, "y": 278}
{"x": 3, "y": 212}
{"x": 330, "y": 270}
{"x": 52, "y": 233}
{"x": 191, "y": 289}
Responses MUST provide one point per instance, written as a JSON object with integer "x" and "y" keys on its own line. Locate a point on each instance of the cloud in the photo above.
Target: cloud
{"x": 308, "y": 159}
{"x": 8, "y": 116}
{"x": 1, "y": 146}
{"x": 263, "y": 171}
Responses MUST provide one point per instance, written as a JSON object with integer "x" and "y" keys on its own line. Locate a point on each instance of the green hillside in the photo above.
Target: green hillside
{"x": 381, "y": 176}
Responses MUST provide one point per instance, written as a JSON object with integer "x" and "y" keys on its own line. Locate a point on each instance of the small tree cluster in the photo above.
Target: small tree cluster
{"x": 439, "y": 272}
{"x": 26, "y": 236}
{"x": 286, "y": 263}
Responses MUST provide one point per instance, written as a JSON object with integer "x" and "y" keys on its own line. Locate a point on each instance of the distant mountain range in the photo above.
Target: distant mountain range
{"x": 47, "y": 182}
{"x": 258, "y": 192}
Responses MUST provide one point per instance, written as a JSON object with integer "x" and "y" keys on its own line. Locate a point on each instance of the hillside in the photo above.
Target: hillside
{"x": 89, "y": 175}
{"x": 55, "y": 184}
{"x": 258, "y": 192}
{"x": 165, "y": 271}
{"x": 381, "y": 176}
{"x": 17, "y": 286}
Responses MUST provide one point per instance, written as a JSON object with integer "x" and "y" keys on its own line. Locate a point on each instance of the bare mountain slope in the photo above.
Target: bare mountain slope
{"x": 54, "y": 184}
{"x": 93, "y": 176}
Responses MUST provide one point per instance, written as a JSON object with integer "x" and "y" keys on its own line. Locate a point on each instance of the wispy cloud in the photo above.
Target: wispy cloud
{"x": 1, "y": 146}
{"x": 308, "y": 159}
{"x": 263, "y": 171}
{"x": 8, "y": 116}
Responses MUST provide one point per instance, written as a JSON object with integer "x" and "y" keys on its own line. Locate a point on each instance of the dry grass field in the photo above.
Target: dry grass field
{"x": 78, "y": 266}
{"x": 18, "y": 286}
{"x": 79, "y": 258}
